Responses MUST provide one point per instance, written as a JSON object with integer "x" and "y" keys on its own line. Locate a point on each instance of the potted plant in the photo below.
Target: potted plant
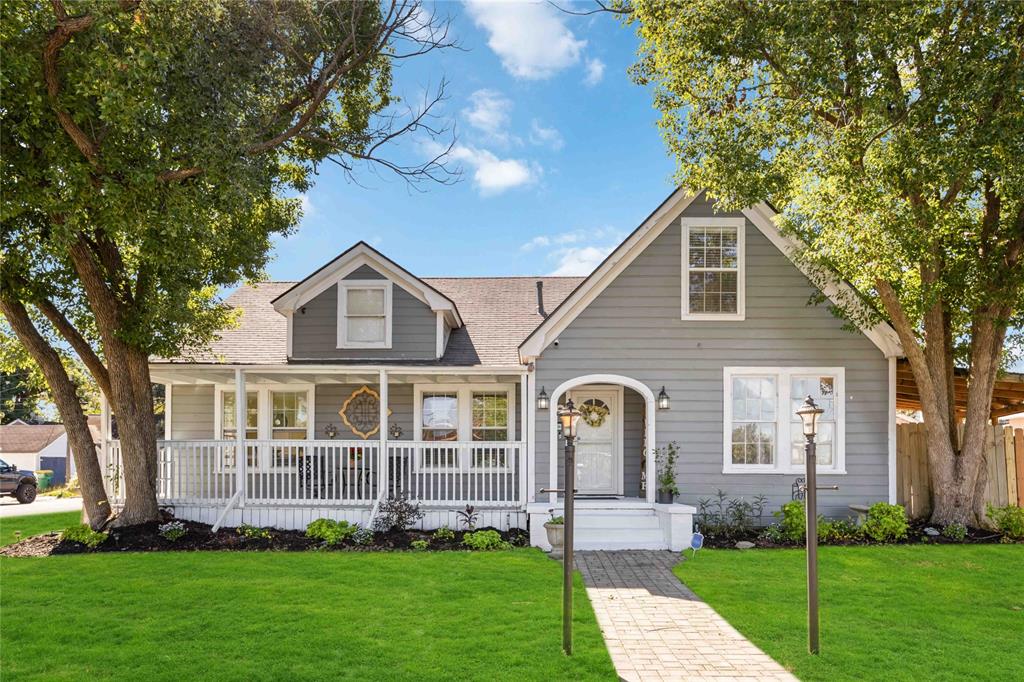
{"x": 666, "y": 462}
{"x": 555, "y": 527}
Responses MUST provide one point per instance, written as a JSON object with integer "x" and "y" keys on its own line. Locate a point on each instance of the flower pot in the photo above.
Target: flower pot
{"x": 664, "y": 497}
{"x": 556, "y": 538}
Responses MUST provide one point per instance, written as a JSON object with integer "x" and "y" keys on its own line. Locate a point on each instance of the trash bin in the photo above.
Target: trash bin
{"x": 43, "y": 478}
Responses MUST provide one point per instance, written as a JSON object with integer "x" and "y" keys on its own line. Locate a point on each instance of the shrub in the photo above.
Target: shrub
{"x": 444, "y": 534}
{"x": 173, "y": 530}
{"x": 773, "y": 534}
{"x": 793, "y": 521}
{"x": 837, "y": 531}
{"x": 955, "y": 531}
{"x": 330, "y": 531}
{"x": 886, "y": 522}
{"x": 252, "y": 532}
{"x": 419, "y": 545}
{"x": 665, "y": 458}
{"x": 485, "y": 540}
{"x": 725, "y": 517}
{"x": 396, "y": 513}
{"x": 1009, "y": 520}
{"x": 362, "y": 536}
{"x": 84, "y": 535}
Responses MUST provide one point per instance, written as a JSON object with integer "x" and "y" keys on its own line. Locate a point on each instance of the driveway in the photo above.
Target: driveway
{"x": 10, "y": 507}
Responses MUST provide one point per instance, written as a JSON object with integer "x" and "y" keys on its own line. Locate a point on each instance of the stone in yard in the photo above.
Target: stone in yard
{"x": 931, "y": 531}
{"x": 743, "y": 544}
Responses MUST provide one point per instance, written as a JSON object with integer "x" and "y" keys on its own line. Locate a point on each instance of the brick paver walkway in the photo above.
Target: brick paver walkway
{"x": 657, "y": 629}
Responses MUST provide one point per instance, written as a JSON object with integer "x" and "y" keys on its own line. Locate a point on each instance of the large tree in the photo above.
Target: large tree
{"x": 148, "y": 150}
{"x": 891, "y": 137}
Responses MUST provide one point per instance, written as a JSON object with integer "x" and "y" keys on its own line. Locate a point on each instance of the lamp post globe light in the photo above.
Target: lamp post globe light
{"x": 568, "y": 417}
{"x": 809, "y": 413}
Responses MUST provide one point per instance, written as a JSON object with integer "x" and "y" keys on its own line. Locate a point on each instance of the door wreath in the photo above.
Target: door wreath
{"x": 594, "y": 412}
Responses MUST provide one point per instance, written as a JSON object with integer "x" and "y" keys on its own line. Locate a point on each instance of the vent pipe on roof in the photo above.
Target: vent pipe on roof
{"x": 540, "y": 299}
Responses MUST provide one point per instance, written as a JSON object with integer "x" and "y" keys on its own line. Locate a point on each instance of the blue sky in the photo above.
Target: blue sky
{"x": 560, "y": 153}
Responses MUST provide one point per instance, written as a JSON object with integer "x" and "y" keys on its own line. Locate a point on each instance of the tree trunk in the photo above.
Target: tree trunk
{"x": 95, "y": 504}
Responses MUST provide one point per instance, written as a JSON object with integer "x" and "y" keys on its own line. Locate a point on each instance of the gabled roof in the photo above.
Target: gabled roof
{"x": 23, "y": 437}
{"x": 354, "y": 258}
{"x": 498, "y": 313}
{"x": 666, "y": 214}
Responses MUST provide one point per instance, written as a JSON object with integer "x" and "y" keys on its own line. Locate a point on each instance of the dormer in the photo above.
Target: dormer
{"x": 364, "y": 306}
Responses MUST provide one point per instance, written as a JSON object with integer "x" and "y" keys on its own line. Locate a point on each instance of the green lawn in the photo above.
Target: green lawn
{"x": 36, "y": 524}
{"x": 893, "y": 613}
{"x": 272, "y": 616}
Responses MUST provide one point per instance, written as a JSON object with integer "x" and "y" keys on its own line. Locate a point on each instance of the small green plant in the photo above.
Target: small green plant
{"x": 773, "y": 534}
{"x": 330, "y": 531}
{"x": 726, "y": 517}
{"x": 485, "y": 540}
{"x": 363, "y": 536}
{"x": 666, "y": 457}
{"x": 468, "y": 517}
{"x": 419, "y": 545}
{"x": 792, "y": 521}
{"x": 84, "y": 535}
{"x": 886, "y": 522}
{"x": 252, "y": 532}
{"x": 1009, "y": 520}
{"x": 839, "y": 531}
{"x": 955, "y": 531}
{"x": 172, "y": 530}
{"x": 444, "y": 534}
{"x": 557, "y": 520}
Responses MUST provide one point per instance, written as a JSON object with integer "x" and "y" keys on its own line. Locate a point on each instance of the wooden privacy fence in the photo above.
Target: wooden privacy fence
{"x": 1004, "y": 454}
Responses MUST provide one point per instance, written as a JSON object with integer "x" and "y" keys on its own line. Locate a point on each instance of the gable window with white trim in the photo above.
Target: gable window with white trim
{"x": 713, "y": 268}
{"x": 478, "y": 414}
{"x": 364, "y": 314}
{"x": 762, "y": 433}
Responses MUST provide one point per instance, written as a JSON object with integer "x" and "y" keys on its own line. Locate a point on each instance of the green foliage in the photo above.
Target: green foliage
{"x": 837, "y": 531}
{"x": 23, "y": 389}
{"x": 396, "y": 513}
{"x": 665, "y": 457}
{"x": 363, "y": 537}
{"x": 1009, "y": 520}
{"x": 84, "y": 535}
{"x": 330, "y": 531}
{"x": 419, "y": 545}
{"x": 173, "y": 530}
{"x": 886, "y": 522}
{"x": 557, "y": 520}
{"x": 793, "y": 521}
{"x": 253, "y": 532}
{"x": 485, "y": 540}
{"x": 955, "y": 531}
{"x": 726, "y": 517}
{"x": 444, "y": 534}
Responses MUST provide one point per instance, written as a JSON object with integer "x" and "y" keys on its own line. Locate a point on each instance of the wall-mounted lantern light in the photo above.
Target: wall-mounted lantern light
{"x": 664, "y": 402}
{"x": 395, "y": 431}
{"x": 331, "y": 431}
{"x": 542, "y": 399}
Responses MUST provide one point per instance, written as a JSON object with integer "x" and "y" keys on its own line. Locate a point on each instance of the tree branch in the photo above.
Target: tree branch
{"x": 78, "y": 343}
{"x": 67, "y": 27}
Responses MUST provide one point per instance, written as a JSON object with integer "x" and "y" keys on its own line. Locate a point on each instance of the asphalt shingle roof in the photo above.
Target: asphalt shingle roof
{"x": 498, "y": 314}
{"x": 28, "y": 437}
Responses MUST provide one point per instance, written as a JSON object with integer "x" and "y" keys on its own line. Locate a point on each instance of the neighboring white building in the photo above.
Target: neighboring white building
{"x": 32, "y": 447}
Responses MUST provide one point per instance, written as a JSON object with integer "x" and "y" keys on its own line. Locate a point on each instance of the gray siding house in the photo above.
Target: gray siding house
{"x": 364, "y": 381}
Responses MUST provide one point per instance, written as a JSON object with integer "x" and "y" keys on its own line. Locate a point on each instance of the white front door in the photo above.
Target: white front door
{"x": 599, "y": 440}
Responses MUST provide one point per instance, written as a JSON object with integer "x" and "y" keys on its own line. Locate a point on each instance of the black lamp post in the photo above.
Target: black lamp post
{"x": 568, "y": 415}
{"x": 809, "y": 413}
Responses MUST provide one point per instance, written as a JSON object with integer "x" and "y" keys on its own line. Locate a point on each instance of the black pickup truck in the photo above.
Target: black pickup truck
{"x": 21, "y": 485}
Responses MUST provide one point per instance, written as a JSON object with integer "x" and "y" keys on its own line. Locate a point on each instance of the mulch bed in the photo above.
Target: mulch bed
{"x": 200, "y": 537}
{"x": 915, "y": 536}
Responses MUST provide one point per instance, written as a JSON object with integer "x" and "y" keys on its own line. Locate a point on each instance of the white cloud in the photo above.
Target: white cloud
{"x": 595, "y": 72}
{"x": 530, "y": 38}
{"x": 489, "y": 113}
{"x": 493, "y": 175}
{"x": 581, "y": 260}
{"x": 549, "y": 137}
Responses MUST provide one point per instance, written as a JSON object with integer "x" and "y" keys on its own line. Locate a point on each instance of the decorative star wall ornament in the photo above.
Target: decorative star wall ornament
{"x": 361, "y": 412}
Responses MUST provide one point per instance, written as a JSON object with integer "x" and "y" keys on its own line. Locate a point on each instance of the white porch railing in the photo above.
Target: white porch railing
{"x": 333, "y": 473}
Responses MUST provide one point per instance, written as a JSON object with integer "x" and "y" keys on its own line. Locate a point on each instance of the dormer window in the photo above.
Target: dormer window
{"x": 364, "y": 314}
{"x": 713, "y": 253}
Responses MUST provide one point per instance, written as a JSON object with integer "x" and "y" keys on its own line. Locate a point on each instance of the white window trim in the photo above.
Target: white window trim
{"x": 741, "y": 259}
{"x": 465, "y": 427}
{"x": 344, "y": 285}
{"x": 264, "y": 412}
{"x": 783, "y": 433}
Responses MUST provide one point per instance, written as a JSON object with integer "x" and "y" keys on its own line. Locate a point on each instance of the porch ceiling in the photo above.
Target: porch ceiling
{"x": 1007, "y": 396}
{"x": 185, "y": 375}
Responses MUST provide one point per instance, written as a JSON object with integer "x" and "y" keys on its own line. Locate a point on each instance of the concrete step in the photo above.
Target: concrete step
{"x": 620, "y": 538}
{"x": 590, "y": 519}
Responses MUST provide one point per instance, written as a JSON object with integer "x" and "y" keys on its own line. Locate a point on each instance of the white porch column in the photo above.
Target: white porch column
{"x": 167, "y": 411}
{"x": 382, "y": 459}
{"x": 525, "y": 396}
{"x": 651, "y": 445}
{"x": 241, "y": 456}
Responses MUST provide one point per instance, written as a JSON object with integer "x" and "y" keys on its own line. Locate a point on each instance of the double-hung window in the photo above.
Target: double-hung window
{"x": 763, "y": 433}
{"x": 482, "y": 415}
{"x": 289, "y": 420}
{"x": 229, "y": 418}
{"x": 364, "y": 314}
{"x": 713, "y": 272}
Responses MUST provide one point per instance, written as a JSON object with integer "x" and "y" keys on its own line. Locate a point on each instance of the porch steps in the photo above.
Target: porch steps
{"x": 617, "y": 529}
